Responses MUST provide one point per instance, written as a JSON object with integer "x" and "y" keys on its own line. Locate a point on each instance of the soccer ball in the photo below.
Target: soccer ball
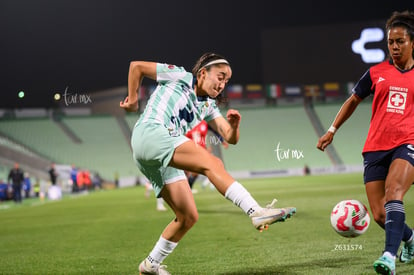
{"x": 350, "y": 218}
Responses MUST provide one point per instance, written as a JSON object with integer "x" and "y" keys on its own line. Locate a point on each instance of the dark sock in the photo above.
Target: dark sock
{"x": 407, "y": 233}
{"x": 394, "y": 225}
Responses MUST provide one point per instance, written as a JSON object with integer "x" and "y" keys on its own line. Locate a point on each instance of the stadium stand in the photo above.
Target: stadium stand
{"x": 262, "y": 129}
{"x": 131, "y": 119}
{"x": 39, "y": 134}
{"x": 5, "y": 142}
{"x": 4, "y": 172}
{"x": 272, "y": 138}
{"x": 265, "y": 130}
{"x": 350, "y": 138}
{"x": 102, "y": 148}
{"x": 320, "y": 130}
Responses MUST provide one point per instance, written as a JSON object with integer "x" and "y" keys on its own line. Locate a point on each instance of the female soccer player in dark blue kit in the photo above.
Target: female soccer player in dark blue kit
{"x": 389, "y": 148}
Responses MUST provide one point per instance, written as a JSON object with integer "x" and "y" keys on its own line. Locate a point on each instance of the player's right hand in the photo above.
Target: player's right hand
{"x": 324, "y": 141}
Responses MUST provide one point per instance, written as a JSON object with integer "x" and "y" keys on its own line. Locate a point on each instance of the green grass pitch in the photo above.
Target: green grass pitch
{"x": 110, "y": 232}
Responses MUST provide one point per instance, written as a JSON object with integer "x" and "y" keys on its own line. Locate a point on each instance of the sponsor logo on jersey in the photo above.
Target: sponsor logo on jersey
{"x": 396, "y": 100}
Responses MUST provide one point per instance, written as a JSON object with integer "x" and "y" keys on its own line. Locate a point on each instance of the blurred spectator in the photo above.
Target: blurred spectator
{"x": 53, "y": 174}
{"x": 74, "y": 177}
{"x": 306, "y": 170}
{"x": 116, "y": 179}
{"x": 97, "y": 181}
{"x": 16, "y": 177}
{"x": 87, "y": 179}
{"x": 27, "y": 186}
{"x": 3, "y": 190}
{"x": 79, "y": 180}
{"x": 36, "y": 188}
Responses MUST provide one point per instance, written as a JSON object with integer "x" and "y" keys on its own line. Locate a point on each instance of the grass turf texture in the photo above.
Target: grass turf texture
{"x": 110, "y": 232}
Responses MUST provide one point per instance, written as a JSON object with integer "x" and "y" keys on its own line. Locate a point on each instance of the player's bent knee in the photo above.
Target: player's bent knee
{"x": 187, "y": 220}
{"x": 190, "y": 220}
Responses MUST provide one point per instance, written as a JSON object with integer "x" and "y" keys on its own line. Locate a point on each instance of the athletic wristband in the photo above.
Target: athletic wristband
{"x": 332, "y": 129}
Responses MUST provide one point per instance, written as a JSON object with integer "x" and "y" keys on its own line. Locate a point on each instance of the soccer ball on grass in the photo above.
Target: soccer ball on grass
{"x": 350, "y": 218}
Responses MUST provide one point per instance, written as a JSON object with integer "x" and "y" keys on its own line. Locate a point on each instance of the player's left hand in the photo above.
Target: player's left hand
{"x": 233, "y": 117}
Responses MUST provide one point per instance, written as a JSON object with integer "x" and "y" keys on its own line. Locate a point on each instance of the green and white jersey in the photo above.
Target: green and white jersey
{"x": 174, "y": 103}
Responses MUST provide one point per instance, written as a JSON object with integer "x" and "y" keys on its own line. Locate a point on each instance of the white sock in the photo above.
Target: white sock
{"x": 161, "y": 250}
{"x": 389, "y": 255}
{"x": 242, "y": 198}
{"x": 160, "y": 202}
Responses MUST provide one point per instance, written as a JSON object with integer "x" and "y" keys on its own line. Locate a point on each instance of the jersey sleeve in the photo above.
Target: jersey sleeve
{"x": 364, "y": 86}
{"x": 213, "y": 111}
{"x": 171, "y": 73}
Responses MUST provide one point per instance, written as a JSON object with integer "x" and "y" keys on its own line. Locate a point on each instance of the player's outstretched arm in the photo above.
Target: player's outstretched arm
{"x": 344, "y": 113}
{"x": 137, "y": 71}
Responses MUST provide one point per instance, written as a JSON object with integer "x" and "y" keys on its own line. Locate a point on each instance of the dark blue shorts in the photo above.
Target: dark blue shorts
{"x": 376, "y": 164}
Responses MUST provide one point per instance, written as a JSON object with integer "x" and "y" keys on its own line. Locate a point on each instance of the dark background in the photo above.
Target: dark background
{"x": 317, "y": 53}
{"x": 47, "y": 46}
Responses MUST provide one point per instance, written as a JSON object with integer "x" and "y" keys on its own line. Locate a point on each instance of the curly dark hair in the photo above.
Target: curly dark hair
{"x": 404, "y": 19}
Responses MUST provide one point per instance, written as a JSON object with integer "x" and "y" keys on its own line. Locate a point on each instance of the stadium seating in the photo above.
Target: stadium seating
{"x": 131, "y": 119}
{"x": 38, "y": 134}
{"x": 262, "y": 130}
{"x": 271, "y": 139}
{"x": 103, "y": 148}
{"x": 350, "y": 138}
{"x": 4, "y": 172}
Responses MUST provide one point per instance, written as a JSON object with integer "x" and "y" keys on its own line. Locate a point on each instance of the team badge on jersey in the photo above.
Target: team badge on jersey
{"x": 396, "y": 100}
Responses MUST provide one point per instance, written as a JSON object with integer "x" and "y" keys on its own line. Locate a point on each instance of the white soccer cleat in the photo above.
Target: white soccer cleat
{"x": 147, "y": 268}
{"x": 261, "y": 219}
